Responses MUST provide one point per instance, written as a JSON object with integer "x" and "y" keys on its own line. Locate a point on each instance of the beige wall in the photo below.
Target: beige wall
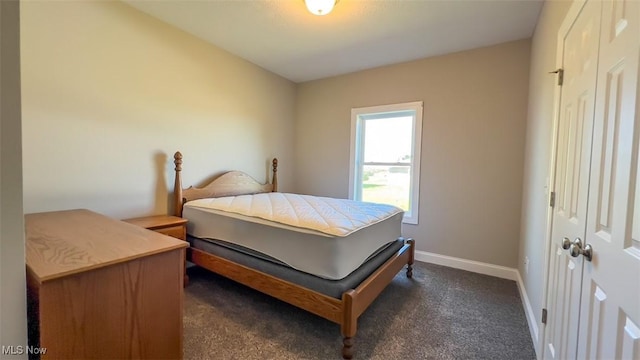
{"x": 109, "y": 94}
{"x": 538, "y": 151}
{"x": 13, "y": 318}
{"x": 475, "y": 105}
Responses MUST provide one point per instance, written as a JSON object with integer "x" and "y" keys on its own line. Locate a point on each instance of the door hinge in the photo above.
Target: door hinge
{"x": 544, "y": 316}
{"x": 560, "y": 73}
{"x": 552, "y": 199}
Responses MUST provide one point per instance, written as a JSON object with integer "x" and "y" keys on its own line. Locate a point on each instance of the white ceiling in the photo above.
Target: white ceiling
{"x": 283, "y": 37}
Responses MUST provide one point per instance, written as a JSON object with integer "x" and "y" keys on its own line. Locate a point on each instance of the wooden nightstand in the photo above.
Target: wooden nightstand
{"x": 168, "y": 225}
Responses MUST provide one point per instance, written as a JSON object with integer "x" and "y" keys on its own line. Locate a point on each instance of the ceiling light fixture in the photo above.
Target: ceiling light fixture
{"x": 320, "y": 7}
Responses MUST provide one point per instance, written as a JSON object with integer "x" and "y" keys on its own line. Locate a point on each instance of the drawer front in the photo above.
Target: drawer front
{"x": 177, "y": 232}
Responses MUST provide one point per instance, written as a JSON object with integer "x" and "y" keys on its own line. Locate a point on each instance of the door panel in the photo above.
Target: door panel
{"x": 630, "y": 347}
{"x": 610, "y": 303}
{"x": 608, "y": 162}
{"x": 598, "y": 299}
{"x": 567, "y": 283}
{"x": 572, "y": 180}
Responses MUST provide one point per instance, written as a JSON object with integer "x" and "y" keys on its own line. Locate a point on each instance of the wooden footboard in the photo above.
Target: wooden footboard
{"x": 356, "y": 301}
{"x": 343, "y": 311}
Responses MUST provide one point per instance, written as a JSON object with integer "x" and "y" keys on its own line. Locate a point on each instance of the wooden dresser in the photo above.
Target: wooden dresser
{"x": 102, "y": 288}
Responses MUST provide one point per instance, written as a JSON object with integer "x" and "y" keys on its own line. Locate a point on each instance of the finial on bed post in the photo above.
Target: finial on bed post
{"x": 177, "y": 187}
{"x": 274, "y": 182}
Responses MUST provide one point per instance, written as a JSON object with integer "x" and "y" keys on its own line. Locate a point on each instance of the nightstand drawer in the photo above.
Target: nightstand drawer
{"x": 178, "y": 232}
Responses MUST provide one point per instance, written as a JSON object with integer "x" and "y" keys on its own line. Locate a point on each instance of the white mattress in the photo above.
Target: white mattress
{"x": 309, "y": 250}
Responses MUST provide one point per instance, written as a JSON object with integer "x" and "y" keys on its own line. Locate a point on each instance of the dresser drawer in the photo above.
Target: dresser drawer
{"x": 177, "y": 232}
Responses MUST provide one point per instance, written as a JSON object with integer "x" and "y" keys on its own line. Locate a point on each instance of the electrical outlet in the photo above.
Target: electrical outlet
{"x": 526, "y": 264}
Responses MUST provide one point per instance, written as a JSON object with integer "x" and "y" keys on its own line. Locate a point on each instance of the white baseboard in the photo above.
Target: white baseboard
{"x": 468, "y": 265}
{"x": 531, "y": 318}
{"x": 492, "y": 270}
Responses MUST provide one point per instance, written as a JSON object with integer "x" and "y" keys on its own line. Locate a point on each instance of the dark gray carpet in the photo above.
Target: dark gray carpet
{"x": 442, "y": 313}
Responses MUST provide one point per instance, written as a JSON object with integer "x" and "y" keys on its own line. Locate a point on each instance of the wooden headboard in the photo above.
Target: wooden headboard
{"x": 228, "y": 184}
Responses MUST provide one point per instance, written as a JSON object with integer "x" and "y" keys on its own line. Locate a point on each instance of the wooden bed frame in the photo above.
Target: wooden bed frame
{"x": 344, "y": 312}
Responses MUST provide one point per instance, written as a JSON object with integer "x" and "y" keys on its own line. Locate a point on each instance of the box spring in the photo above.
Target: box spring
{"x": 271, "y": 266}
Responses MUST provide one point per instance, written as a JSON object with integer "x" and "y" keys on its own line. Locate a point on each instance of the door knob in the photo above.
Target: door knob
{"x": 566, "y": 243}
{"x": 576, "y": 249}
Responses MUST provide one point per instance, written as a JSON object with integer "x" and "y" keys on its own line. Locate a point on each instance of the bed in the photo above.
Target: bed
{"x": 338, "y": 287}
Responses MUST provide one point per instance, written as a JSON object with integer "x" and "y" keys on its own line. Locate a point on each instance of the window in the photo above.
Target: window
{"x": 385, "y": 156}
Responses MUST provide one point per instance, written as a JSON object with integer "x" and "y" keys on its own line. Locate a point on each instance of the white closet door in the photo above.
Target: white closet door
{"x": 571, "y": 186}
{"x": 610, "y": 306}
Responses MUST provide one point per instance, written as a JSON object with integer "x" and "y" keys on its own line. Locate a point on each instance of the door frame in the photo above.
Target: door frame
{"x": 567, "y": 23}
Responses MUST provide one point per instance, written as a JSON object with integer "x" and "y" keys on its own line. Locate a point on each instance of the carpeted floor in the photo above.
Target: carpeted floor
{"x": 442, "y": 313}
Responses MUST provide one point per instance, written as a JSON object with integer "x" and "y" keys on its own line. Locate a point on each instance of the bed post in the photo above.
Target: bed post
{"x": 412, "y": 253}
{"x": 349, "y": 324}
{"x": 177, "y": 186}
{"x": 274, "y": 182}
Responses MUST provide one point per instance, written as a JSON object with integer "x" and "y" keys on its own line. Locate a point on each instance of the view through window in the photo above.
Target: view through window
{"x": 385, "y": 156}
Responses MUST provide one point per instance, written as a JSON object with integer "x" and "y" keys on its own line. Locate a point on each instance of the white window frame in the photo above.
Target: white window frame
{"x": 358, "y": 117}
